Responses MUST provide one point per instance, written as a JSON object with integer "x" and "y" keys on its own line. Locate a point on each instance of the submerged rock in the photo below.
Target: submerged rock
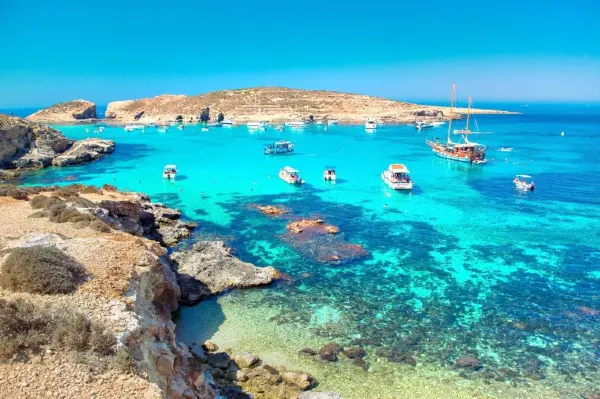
{"x": 467, "y": 362}
{"x": 270, "y": 210}
{"x": 330, "y": 351}
{"x": 209, "y": 268}
{"x": 307, "y": 352}
{"x": 354, "y": 353}
{"x": 315, "y": 226}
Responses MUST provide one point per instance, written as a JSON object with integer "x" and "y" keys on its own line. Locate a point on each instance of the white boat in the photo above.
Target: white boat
{"x": 131, "y": 128}
{"x": 88, "y": 130}
{"x": 257, "y": 125}
{"x": 295, "y": 124}
{"x": 169, "y": 172}
{"x": 506, "y": 149}
{"x": 420, "y": 125}
{"x": 290, "y": 175}
{"x": 332, "y": 122}
{"x": 280, "y": 128}
{"x": 371, "y": 124}
{"x": 397, "y": 177}
{"x": 162, "y": 129}
{"x": 180, "y": 127}
{"x": 227, "y": 123}
{"x": 329, "y": 173}
{"x": 279, "y": 147}
{"x": 524, "y": 182}
{"x": 205, "y": 129}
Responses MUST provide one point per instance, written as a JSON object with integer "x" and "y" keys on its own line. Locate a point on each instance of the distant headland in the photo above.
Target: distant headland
{"x": 274, "y": 104}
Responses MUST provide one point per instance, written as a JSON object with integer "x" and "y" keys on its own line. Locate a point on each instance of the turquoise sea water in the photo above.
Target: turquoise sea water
{"x": 464, "y": 265}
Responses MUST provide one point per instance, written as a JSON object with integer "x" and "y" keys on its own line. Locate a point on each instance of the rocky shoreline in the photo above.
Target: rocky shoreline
{"x": 29, "y": 145}
{"x": 134, "y": 285}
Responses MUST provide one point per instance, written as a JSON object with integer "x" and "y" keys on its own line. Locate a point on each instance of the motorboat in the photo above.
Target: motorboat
{"x": 506, "y": 149}
{"x": 279, "y": 147}
{"x": 329, "y": 173}
{"x": 397, "y": 177}
{"x": 169, "y": 172}
{"x": 332, "y": 122}
{"x": 524, "y": 182}
{"x": 279, "y": 128}
{"x": 371, "y": 124}
{"x": 180, "y": 127}
{"x": 295, "y": 124}
{"x": 205, "y": 129}
{"x": 162, "y": 129}
{"x": 257, "y": 125}
{"x": 228, "y": 123}
{"x": 420, "y": 125}
{"x": 290, "y": 175}
{"x": 463, "y": 150}
{"x": 131, "y": 128}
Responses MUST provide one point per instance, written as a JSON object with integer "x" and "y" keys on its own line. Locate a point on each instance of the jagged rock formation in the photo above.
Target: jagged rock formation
{"x": 209, "y": 268}
{"x": 24, "y": 144}
{"x": 276, "y": 104}
{"x": 70, "y": 111}
{"x": 86, "y": 150}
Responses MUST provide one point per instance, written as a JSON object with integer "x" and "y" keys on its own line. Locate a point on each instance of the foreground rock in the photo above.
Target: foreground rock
{"x": 209, "y": 268}
{"x": 248, "y": 372}
{"x": 28, "y": 145}
{"x": 70, "y": 111}
{"x": 131, "y": 295}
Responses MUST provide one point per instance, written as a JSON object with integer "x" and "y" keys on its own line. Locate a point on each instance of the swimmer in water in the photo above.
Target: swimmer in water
{"x": 385, "y": 205}
{"x": 201, "y": 192}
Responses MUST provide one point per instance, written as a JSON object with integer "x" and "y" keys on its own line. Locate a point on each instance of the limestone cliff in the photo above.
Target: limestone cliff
{"x": 25, "y": 144}
{"x": 67, "y": 112}
{"x": 277, "y": 104}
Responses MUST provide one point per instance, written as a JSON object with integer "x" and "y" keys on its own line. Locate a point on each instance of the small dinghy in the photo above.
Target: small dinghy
{"x": 524, "y": 182}
{"x": 506, "y": 149}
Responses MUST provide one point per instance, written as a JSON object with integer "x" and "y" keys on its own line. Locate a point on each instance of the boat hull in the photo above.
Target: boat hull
{"x": 470, "y": 158}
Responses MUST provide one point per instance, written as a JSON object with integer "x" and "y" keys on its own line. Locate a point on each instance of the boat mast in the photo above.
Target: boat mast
{"x": 451, "y": 106}
{"x": 467, "y": 131}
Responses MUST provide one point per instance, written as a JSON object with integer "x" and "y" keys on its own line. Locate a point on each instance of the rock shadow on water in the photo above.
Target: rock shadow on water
{"x": 200, "y": 322}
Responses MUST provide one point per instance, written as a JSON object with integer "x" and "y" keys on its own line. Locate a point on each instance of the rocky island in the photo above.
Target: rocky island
{"x": 67, "y": 112}
{"x": 29, "y": 145}
{"x": 274, "y": 104}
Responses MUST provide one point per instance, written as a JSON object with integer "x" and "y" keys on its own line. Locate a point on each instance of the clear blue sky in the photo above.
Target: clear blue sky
{"x": 411, "y": 50}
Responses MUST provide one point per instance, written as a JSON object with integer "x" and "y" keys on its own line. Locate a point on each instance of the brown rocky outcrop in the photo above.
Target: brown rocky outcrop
{"x": 311, "y": 226}
{"x": 270, "y": 210}
{"x": 70, "y": 111}
{"x": 25, "y": 144}
{"x": 209, "y": 268}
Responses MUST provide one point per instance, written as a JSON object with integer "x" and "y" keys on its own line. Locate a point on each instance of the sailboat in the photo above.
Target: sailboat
{"x": 463, "y": 150}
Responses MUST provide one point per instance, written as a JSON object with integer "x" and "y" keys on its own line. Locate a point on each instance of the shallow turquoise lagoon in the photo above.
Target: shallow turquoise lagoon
{"x": 464, "y": 265}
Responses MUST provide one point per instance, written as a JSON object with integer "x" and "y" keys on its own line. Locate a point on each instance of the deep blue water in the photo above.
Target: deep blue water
{"x": 465, "y": 264}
